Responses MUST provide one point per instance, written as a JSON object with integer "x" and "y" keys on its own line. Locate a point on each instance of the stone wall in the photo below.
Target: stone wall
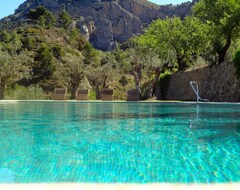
{"x": 216, "y": 83}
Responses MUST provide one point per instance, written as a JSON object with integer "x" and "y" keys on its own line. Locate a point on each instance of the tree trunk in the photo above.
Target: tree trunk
{"x": 138, "y": 77}
{"x": 181, "y": 64}
{"x": 105, "y": 82}
{"x": 155, "y": 80}
{"x": 158, "y": 71}
{"x": 97, "y": 91}
{"x": 74, "y": 84}
{"x": 73, "y": 92}
{"x": 137, "y": 81}
{"x": 222, "y": 53}
{"x": 2, "y": 88}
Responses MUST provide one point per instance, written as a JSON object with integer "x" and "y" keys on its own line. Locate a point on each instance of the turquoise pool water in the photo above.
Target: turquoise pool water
{"x": 119, "y": 142}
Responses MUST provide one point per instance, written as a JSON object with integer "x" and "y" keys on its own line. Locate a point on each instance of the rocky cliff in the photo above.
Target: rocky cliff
{"x": 106, "y": 22}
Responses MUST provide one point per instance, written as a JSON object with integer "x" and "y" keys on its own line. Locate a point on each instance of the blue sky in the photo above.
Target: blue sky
{"x": 7, "y": 7}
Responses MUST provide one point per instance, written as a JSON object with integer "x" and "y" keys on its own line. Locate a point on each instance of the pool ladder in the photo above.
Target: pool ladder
{"x": 195, "y": 89}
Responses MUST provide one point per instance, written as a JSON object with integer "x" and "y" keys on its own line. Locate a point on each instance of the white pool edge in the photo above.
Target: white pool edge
{"x": 89, "y": 186}
{"x": 121, "y": 101}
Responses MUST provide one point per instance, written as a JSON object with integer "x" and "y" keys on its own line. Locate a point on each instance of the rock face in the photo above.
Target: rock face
{"x": 216, "y": 83}
{"x": 105, "y": 22}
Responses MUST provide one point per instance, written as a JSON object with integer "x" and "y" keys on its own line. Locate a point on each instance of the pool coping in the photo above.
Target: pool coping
{"x": 95, "y": 186}
{"x": 120, "y": 101}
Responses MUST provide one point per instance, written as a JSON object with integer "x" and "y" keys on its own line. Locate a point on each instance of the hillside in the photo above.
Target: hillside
{"x": 105, "y": 22}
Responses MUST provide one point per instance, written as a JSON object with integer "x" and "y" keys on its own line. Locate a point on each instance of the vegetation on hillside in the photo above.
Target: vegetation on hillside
{"x": 48, "y": 51}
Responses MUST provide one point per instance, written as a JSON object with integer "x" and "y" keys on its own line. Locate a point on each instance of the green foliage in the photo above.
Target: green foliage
{"x": 236, "y": 62}
{"x": 44, "y": 55}
{"x": 146, "y": 90}
{"x": 13, "y": 67}
{"x": 164, "y": 83}
{"x": 28, "y": 43}
{"x": 92, "y": 56}
{"x": 10, "y": 42}
{"x": 103, "y": 74}
{"x": 76, "y": 39}
{"x": 121, "y": 56}
{"x": 71, "y": 71}
{"x": 35, "y": 14}
{"x": 175, "y": 40}
{"x": 6, "y": 24}
{"x": 44, "y": 66}
{"x": 64, "y": 20}
{"x": 42, "y": 16}
{"x": 124, "y": 80}
{"x": 25, "y": 93}
{"x": 58, "y": 51}
{"x": 5, "y": 36}
{"x": 224, "y": 19}
{"x": 119, "y": 92}
{"x": 92, "y": 95}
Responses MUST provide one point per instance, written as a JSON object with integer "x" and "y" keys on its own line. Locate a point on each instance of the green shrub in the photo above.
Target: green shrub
{"x": 57, "y": 51}
{"x": 119, "y": 92}
{"x": 64, "y": 19}
{"x": 164, "y": 83}
{"x": 92, "y": 95}
{"x": 236, "y": 62}
{"x": 25, "y": 93}
{"x": 5, "y": 36}
{"x": 42, "y": 16}
{"x": 28, "y": 43}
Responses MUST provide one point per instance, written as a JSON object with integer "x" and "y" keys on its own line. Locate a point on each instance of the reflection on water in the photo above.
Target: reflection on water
{"x": 225, "y": 120}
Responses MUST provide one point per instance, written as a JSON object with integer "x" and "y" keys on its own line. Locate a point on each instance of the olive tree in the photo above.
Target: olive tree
{"x": 103, "y": 74}
{"x": 12, "y": 67}
{"x": 72, "y": 71}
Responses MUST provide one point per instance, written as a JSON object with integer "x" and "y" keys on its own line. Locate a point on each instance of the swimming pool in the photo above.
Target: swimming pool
{"x": 119, "y": 142}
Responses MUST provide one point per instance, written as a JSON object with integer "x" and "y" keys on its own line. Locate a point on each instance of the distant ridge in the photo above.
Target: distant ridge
{"x": 106, "y": 22}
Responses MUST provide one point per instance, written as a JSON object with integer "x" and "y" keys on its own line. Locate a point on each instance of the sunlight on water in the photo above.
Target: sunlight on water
{"x": 119, "y": 142}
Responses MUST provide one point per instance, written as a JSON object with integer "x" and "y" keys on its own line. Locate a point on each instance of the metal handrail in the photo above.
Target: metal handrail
{"x": 197, "y": 91}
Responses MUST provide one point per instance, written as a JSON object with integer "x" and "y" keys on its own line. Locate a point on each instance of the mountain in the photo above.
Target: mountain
{"x": 106, "y": 22}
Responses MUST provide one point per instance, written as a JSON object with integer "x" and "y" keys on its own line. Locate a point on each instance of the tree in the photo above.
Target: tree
{"x": 224, "y": 19}
{"x": 102, "y": 75}
{"x": 134, "y": 66}
{"x": 174, "y": 38}
{"x": 10, "y": 42}
{"x": 78, "y": 41}
{"x": 92, "y": 56}
{"x": 43, "y": 67}
{"x": 12, "y": 67}
{"x": 73, "y": 71}
{"x": 153, "y": 64}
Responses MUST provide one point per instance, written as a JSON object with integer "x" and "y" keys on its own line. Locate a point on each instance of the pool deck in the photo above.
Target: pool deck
{"x": 83, "y": 186}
